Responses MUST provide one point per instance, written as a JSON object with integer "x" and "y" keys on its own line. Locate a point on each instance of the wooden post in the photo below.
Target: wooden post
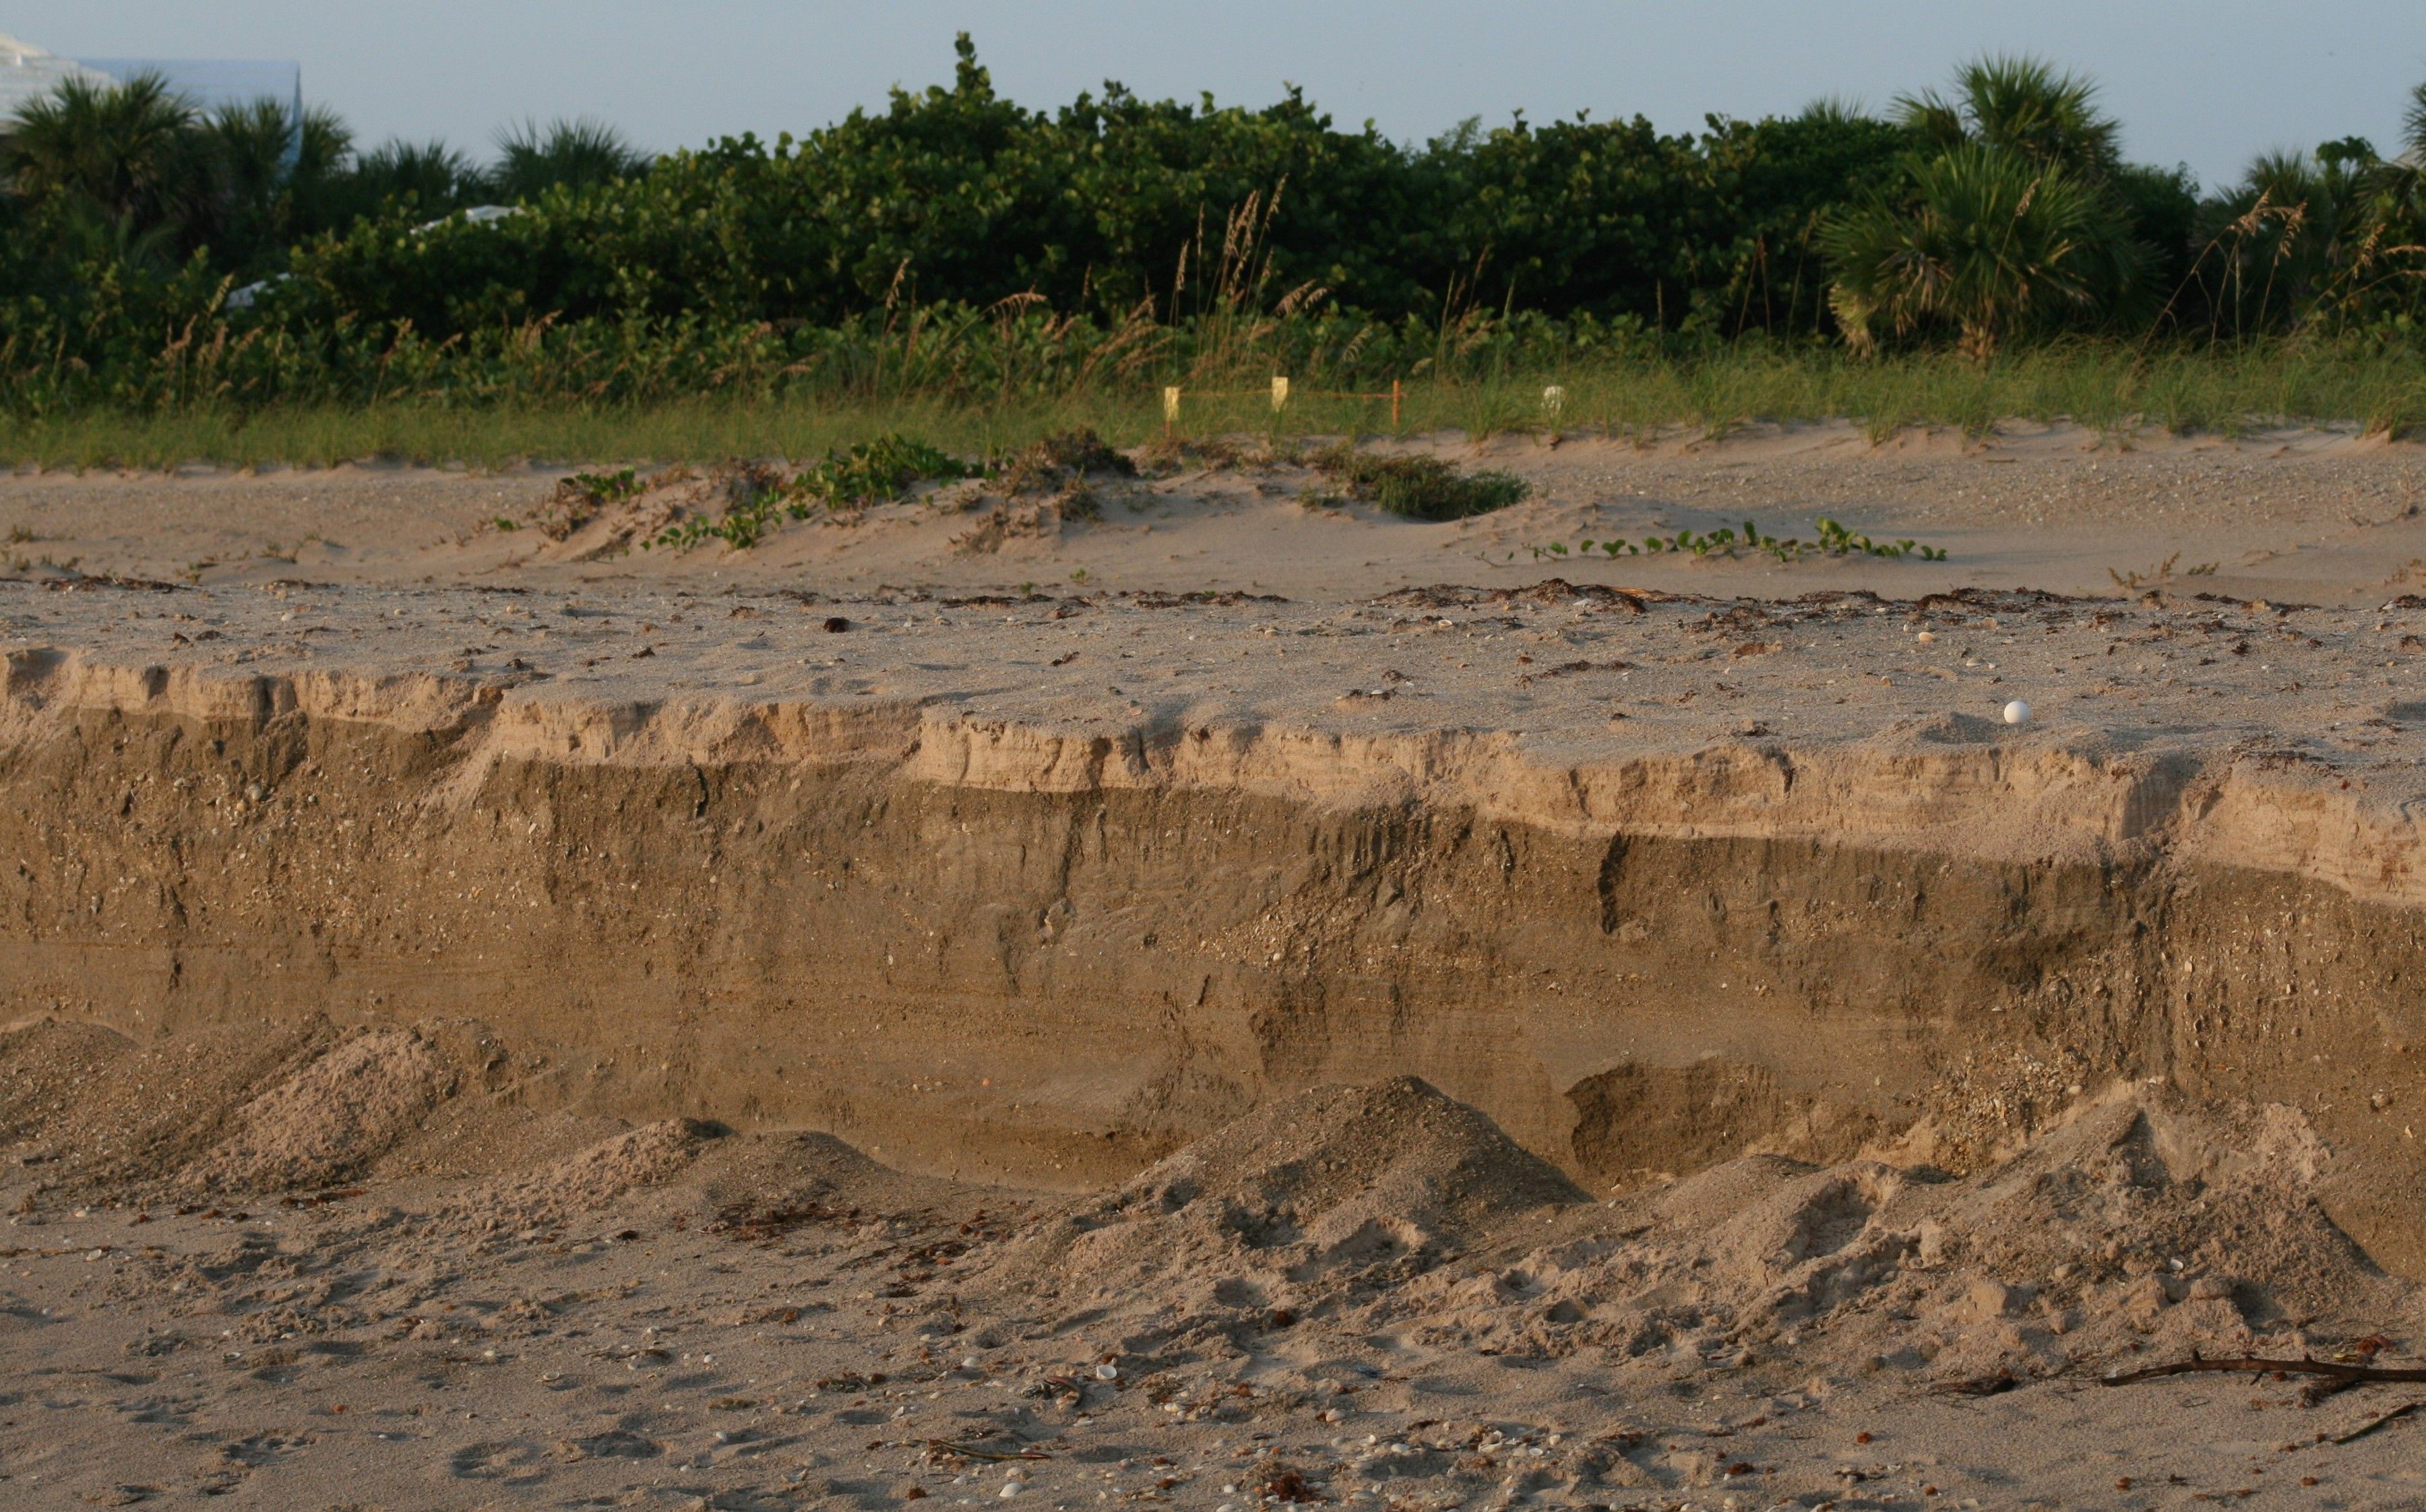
{"x": 1170, "y": 407}
{"x": 1394, "y": 407}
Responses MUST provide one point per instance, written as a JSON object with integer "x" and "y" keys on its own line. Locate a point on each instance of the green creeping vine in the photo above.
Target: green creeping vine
{"x": 874, "y": 472}
{"x": 1833, "y": 541}
{"x": 602, "y": 489}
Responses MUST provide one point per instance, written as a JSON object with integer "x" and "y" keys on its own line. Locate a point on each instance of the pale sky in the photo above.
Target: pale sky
{"x": 2203, "y": 84}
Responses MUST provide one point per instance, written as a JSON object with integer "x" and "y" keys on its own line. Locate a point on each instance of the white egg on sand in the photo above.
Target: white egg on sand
{"x": 2017, "y": 712}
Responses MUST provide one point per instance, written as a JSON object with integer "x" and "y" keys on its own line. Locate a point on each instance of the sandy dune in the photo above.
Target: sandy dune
{"x": 2310, "y": 516}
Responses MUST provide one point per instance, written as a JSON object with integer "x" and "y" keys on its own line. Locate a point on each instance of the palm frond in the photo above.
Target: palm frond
{"x": 578, "y": 153}
{"x": 1982, "y": 240}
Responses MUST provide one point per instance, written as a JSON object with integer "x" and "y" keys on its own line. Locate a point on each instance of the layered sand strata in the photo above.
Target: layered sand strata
{"x": 1040, "y": 889}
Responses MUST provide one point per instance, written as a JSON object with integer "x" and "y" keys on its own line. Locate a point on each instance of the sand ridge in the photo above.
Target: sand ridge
{"x": 2321, "y": 516}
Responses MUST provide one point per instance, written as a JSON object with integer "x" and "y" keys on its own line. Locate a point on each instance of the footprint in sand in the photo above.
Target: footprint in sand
{"x": 509, "y": 1462}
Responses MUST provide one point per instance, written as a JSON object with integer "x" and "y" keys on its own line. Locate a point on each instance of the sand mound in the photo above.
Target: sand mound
{"x": 591, "y": 1178}
{"x": 330, "y": 1119}
{"x": 1298, "y": 1207}
{"x": 2142, "y": 1222}
{"x": 1311, "y": 1160}
{"x": 86, "y": 1108}
{"x": 774, "y": 1169}
{"x": 48, "y": 1068}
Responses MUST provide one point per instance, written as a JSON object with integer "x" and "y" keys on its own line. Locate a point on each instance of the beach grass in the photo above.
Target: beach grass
{"x": 2113, "y": 388}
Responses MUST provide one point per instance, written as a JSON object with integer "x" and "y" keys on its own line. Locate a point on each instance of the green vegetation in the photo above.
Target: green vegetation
{"x": 1420, "y": 487}
{"x": 958, "y": 266}
{"x": 2012, "y": 216}
{"x": 758, "y": 497}
{"x": 875, "y": 471}
{"x": 1833, "y": 540}
{"x": 579, "y": 499}
{"x": 2118, "y": 390}
{"x": 134, "y": 180}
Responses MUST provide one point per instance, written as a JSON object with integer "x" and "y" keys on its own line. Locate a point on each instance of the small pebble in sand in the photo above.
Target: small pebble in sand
{"x": 2017, "y": 712}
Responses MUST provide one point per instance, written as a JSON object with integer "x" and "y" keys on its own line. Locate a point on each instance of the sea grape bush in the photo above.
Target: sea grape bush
{"x": 960, "y": 196}
{"x": 1016, "y": 236}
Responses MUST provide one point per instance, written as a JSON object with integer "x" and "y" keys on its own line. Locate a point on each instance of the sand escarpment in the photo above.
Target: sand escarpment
{"x": 1680, "y": 903}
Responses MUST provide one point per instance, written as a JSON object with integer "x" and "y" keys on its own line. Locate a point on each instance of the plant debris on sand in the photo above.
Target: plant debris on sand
{"x": 1059, "y": 459}
{"x": 1038, "y": 488}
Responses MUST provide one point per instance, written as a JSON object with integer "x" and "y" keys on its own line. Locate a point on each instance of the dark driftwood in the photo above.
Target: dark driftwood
{"x": 2393, "y": 1416}
{"x": 973, "y": 1452}
{"x": 2251, "y": 1365}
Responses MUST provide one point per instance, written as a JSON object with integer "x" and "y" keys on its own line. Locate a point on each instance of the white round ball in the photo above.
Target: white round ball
{"x": 2017, "y": 712}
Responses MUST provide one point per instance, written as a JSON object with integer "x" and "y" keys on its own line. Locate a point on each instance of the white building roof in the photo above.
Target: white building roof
{"x": 210, "y": 83}
{"x": 27, "y": 74}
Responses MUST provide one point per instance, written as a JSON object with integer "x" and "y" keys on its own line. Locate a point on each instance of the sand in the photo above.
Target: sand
{"x": 1360, "y": 1295}
{"x": 2310, "y": 516}
{"x": 1311, "y": 1010}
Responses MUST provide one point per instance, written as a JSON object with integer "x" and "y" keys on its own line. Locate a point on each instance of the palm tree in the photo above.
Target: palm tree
{"x": 579, "y": 154}
{"x": 437, "y": 177}
{"x": 324, "y": 160}
{"x": 125, "y": 151}
{"x": 2403, "y": 179}
{"x": 1982, "y": 240}
{"x": 2317, "y": 238}
{"x": 245, "y": 199}
{"x": 2020, "y": 105}
{"x": 2387, "y": 262}
{"x": 89, "y": 236}
{"x": 2006, "y": 219}
{"x": 2276, "y": 238}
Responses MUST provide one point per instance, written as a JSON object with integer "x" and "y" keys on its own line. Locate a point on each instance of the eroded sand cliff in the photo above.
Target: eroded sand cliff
{"x": 1792, "y": 1031}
